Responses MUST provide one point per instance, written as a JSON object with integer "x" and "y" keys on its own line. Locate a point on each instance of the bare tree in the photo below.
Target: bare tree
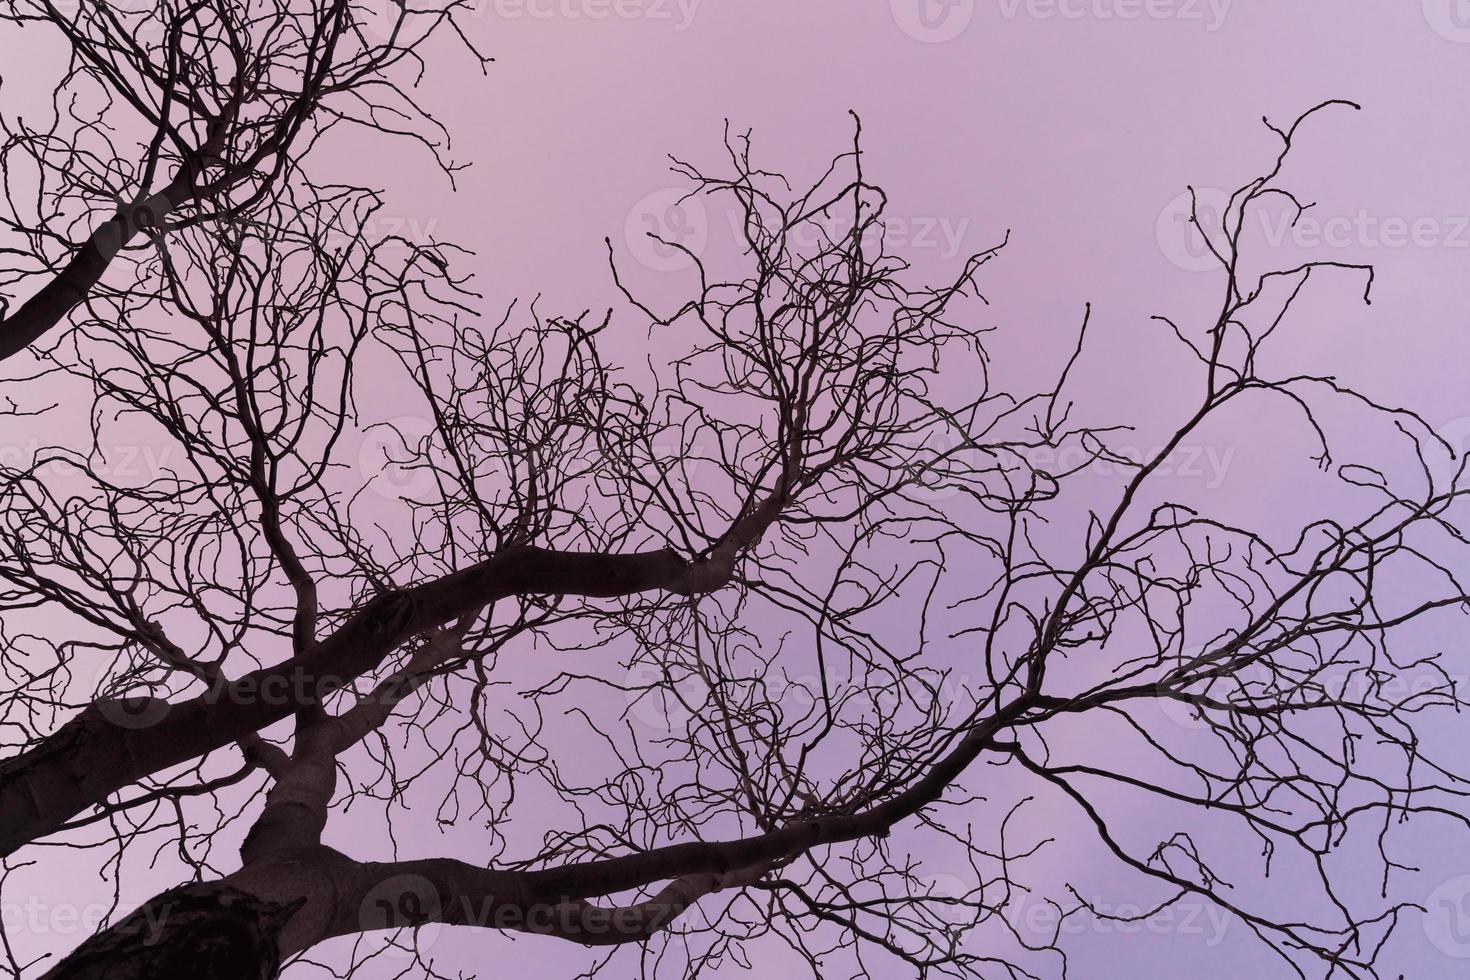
{"x": 182, "y": 113}
{"x": 877, "y": 621}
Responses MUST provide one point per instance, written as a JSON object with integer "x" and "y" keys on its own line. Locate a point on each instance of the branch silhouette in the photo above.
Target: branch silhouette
{"x": 781, "y": 595}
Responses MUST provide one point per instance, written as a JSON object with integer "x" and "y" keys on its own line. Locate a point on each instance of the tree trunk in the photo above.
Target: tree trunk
{"x": 201, "y": 931}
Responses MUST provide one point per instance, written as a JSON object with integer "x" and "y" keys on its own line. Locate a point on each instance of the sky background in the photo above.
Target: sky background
{"x": 1075, "y": 126}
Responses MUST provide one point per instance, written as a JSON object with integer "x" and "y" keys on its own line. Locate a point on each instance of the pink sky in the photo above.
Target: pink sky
{"x": 1073, "y": 124}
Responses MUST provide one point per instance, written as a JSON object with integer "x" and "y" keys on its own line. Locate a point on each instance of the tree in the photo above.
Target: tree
{"x": 222, "y": 106}
{"x": 853, "y": 579}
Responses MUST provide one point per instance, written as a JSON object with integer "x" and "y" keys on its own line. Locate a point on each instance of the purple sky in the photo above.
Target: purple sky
{"x": 1075, "y": 125}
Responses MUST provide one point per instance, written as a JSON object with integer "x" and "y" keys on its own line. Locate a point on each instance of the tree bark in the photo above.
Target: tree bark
{"x": 201, "y": 931}
{"x": 112, "y": 745}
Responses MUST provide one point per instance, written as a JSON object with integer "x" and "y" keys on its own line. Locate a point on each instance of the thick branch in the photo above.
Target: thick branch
{"x": 112, "y": 745}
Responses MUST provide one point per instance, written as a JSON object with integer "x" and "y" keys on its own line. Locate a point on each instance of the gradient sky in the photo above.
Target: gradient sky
{"x": 1074, "y": 125}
